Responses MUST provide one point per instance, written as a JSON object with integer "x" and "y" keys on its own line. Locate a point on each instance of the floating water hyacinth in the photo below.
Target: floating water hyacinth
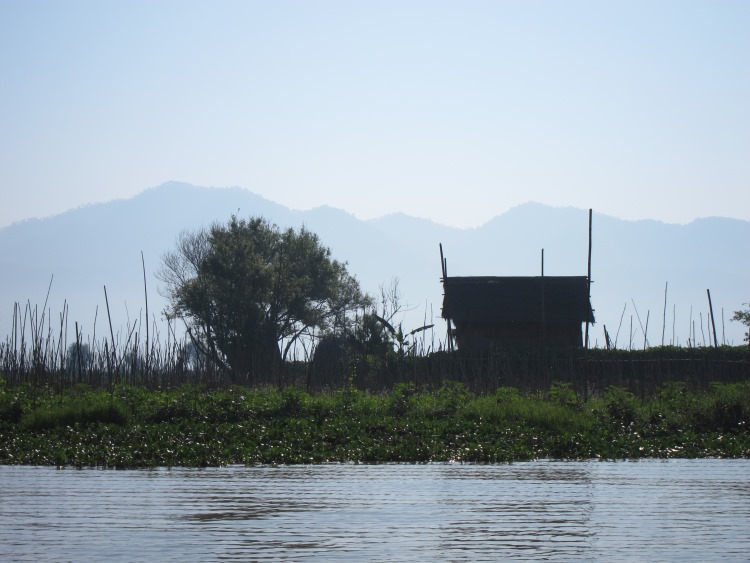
{"x": 130, "y": 426}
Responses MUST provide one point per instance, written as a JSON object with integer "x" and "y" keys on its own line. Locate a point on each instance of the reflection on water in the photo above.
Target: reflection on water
{"x": 648, "y": 510}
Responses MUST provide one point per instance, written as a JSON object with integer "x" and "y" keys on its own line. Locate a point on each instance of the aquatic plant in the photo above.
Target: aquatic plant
{"x": 131, "y": 426}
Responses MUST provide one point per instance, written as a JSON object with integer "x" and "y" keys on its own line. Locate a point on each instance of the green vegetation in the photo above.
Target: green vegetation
{"x": 743, "y": 316}
{"x": 248, "y": 292}
{"x": 128, "y": 427}
{"x": 286, "y": 361}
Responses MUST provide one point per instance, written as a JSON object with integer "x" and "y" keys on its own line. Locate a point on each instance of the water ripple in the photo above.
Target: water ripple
{"x": 673, "y": 510}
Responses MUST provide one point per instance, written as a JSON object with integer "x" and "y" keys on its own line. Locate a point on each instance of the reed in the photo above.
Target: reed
{"x": 39, "y": 354}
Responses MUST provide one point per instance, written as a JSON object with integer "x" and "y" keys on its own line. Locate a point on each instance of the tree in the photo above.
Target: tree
{"x": 78, "y": 358}
{"x": 248, "y": 291}
{"x": 744, "y": 318}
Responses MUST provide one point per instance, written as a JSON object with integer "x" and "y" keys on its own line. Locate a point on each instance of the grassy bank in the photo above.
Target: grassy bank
{"x": 132, "y": 427}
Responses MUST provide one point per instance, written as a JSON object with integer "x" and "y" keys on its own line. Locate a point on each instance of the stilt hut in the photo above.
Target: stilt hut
{"x": 512, "y": 312}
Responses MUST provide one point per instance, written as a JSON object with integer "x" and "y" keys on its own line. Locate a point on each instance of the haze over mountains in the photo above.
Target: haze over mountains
{"x": 90, "y": 247}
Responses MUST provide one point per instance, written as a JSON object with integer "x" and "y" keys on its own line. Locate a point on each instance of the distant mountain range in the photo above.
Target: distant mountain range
{"x": 84, "y": 249}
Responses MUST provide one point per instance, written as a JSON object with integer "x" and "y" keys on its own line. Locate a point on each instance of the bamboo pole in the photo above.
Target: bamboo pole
{"x": 444, "y": 269}
{"x": 544, "y": 316}
{"x": 78, "y": 353}
{"x": 588, "y": 301}
{"x": 145, "y": 293}
{"x": 643, "y": 330}
{"x": 664, "y": 317}
{"x": 622, "y": 315}
{"x": 112, "y": 336}
{"x": 713, "y": 323}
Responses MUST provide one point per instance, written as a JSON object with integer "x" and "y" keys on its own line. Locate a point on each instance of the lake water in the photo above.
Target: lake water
{"x": 625, "y": 511}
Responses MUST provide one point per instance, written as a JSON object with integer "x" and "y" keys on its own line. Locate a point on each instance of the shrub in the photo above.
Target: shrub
{"x": 621, "y": 406}
{"x": 77, "y": 414}
{"x": 562, "y": 393}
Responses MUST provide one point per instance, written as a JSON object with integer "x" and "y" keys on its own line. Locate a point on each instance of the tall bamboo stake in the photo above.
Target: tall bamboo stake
{"x": 444, "y": 269}
{"x": 145, "y": 292}
{"x": 111, "y": 334}
{"x": 78, "y": 352}
{"x": 713, "y": 323}
{"x": 622, "y": 315}
{"x": 664, "y": 321}
{"x": 588, "y": 301}
{"x": 544, "y": 313}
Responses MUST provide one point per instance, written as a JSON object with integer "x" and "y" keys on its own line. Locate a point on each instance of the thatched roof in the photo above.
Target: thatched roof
{"x": 517, "y": 299}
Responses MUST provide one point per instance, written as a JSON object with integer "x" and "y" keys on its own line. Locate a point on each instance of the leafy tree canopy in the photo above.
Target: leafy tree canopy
{"x": 248, "y": 291}
{"x": 743, "y": 316}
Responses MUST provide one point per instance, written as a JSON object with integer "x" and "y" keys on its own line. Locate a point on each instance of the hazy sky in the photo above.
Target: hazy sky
{"x": 453, "y": 111}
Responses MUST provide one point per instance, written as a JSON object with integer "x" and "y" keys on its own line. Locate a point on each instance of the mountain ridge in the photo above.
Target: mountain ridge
{"x": 181, "y": 184}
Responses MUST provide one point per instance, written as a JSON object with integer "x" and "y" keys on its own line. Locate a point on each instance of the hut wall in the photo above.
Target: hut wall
{"x": 475, "y": 336}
